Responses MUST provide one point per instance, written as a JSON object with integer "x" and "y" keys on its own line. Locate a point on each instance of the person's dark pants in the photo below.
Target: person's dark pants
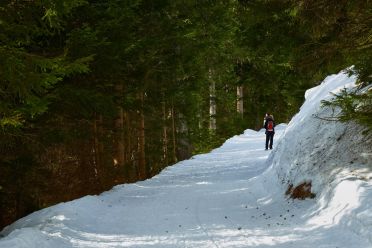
{"x": 269, "y": 140}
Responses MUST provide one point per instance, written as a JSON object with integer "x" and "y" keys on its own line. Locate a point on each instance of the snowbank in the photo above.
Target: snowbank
{"x": 335, "y": 157}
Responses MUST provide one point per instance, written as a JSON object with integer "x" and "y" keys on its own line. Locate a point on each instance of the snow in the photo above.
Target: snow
{"x": 233, "y": 196}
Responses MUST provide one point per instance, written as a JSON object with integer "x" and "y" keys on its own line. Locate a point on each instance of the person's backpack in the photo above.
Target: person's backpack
{"x": 270, "y": 126}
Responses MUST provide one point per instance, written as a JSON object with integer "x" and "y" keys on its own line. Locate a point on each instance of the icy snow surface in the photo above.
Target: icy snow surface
{"x": 233, "y": 196}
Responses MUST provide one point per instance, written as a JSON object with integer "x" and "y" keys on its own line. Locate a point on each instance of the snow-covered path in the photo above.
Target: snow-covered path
{"x": 218, "y": 199}
{"x": 231, "y": 197}
{"x": 211, "y": 200}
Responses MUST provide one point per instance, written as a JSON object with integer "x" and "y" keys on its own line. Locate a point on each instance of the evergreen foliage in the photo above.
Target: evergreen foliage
{"x": 355, "y": 105}
{"x": 96, "y": 93}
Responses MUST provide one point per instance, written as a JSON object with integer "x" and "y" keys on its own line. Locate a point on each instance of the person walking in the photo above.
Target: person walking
{"x": 269, "y": 126}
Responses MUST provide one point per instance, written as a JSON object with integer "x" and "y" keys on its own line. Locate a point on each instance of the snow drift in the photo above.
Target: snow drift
{"x": 335, "y": 157}
{"x": 233, "y": 196}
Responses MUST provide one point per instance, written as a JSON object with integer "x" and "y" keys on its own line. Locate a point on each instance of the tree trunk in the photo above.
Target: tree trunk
{"x": 212, "y": 103}
{"x": 95, "y": 146}
{"x": 239, "y": 100}
{"x": 174, "y": 135}
{"x": 141, "y": 141}
{"x": 119, "y": 159}
{"x": 131, "y": 141}
{"x": 97, "y": 149}
{"x": 165, "y": 138}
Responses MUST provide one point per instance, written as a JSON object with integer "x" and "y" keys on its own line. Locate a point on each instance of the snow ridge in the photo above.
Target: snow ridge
{"x": 335, "y": 156}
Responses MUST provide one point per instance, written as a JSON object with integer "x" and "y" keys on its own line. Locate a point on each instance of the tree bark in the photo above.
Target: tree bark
{"x": 174, "y": 135}
{"x": 212, "y": 103}
{"x": 165, "y": 136}
{"x": 239, "y": 100}
{"x": 119, "y": 158}
{"x": 131, "y": 141}
{"x": 97, "y": 150}
{"x": 141, "y": 141}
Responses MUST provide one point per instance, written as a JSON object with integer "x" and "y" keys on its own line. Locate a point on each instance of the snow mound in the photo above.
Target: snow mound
{"x": 335, "y": 157}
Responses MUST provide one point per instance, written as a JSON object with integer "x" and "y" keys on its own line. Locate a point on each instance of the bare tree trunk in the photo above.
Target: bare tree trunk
{"x": 97, "y": 151}
{"x": 239, "y": 100}
{"x": 95, "y": 145}
{"x": 212, "y": 103}
{"x": 119, "y": 158}
{"x": 141, "y": 141}
{"x": 126, "y": 146}
{"x": 131, "y": 149}
{"x": 165, "y": 138}
{"x": 174, "y": 135}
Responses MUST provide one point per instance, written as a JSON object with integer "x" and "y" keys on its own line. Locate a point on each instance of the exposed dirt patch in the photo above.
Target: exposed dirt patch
{"x": 301, "y": 191}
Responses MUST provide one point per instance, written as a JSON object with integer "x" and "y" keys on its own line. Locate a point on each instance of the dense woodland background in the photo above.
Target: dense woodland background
{"x": 95, "y": 93}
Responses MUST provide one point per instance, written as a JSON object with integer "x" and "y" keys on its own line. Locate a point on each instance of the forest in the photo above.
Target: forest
{"x": 95, "y": 93}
